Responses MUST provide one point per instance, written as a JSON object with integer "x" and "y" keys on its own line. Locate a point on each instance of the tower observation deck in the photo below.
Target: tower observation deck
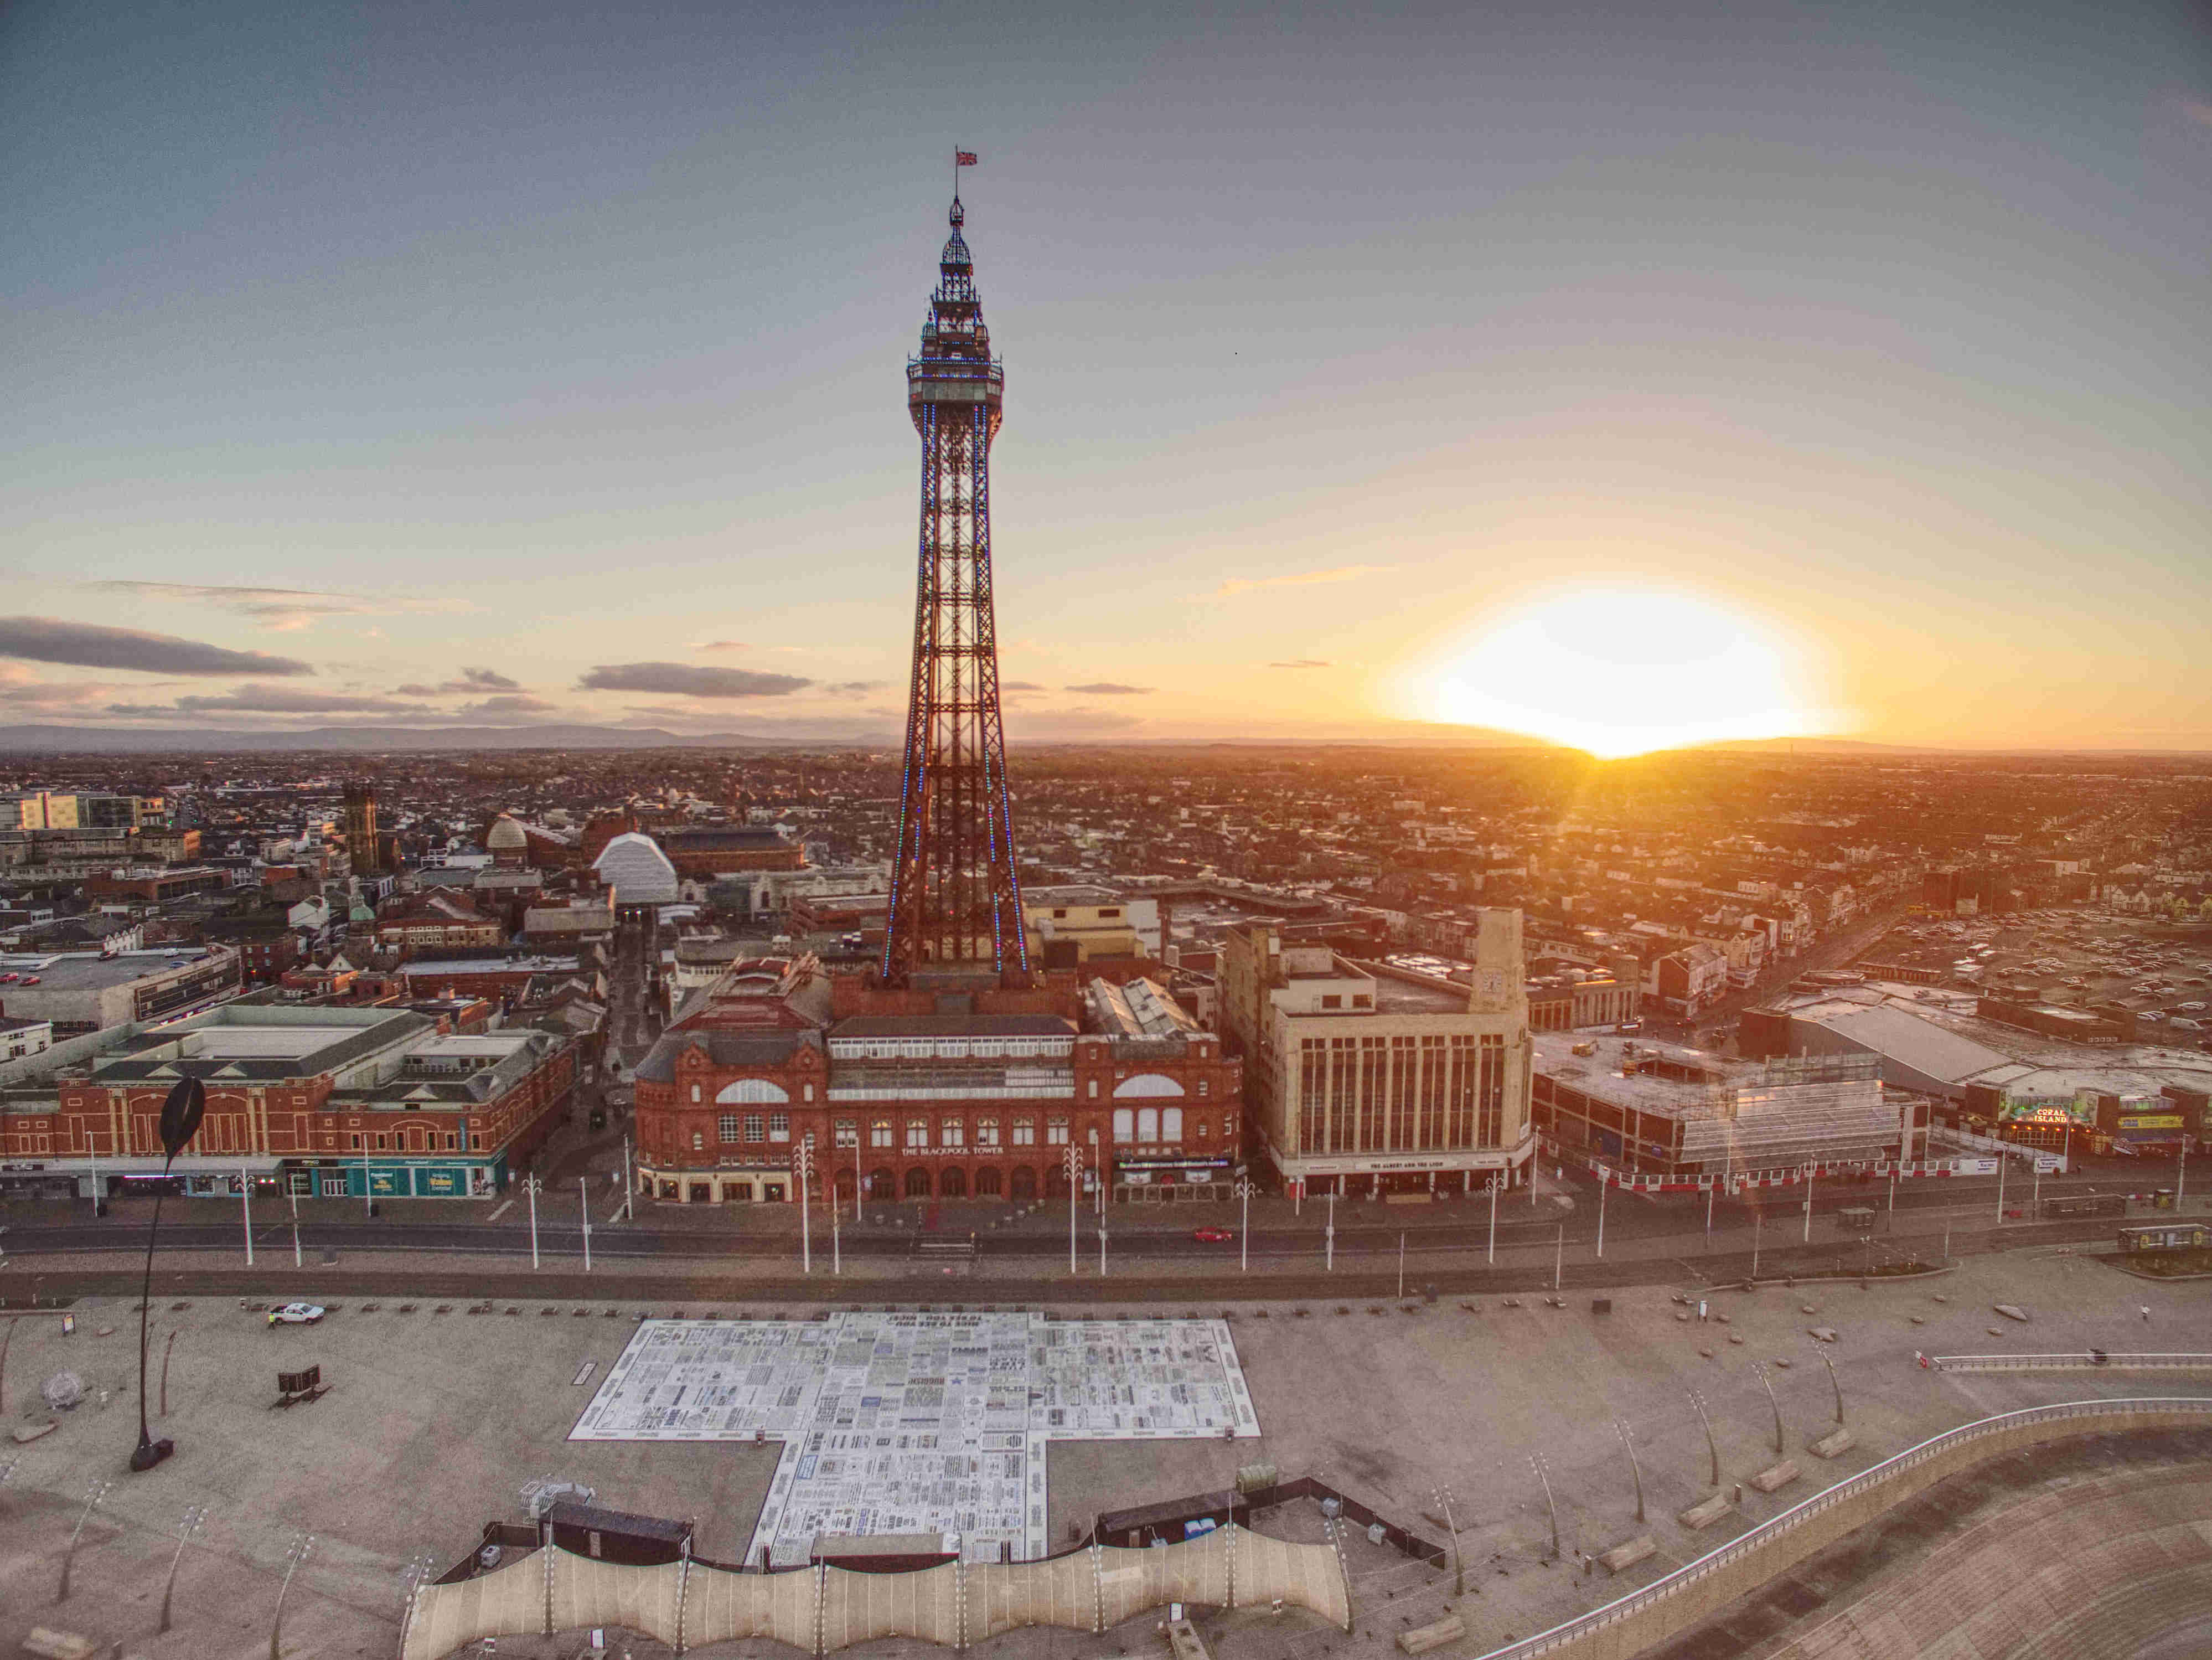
{"x": 955, "y": 898}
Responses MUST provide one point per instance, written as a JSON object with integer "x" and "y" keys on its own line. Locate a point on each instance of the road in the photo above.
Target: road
{"x": 1633, "y": 1226}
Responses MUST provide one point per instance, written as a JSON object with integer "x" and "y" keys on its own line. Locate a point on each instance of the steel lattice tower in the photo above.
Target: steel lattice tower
{"x": 955, "y": 900}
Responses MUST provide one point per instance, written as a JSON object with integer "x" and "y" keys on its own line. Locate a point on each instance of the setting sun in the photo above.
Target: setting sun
{"x": 1617, "y": 674}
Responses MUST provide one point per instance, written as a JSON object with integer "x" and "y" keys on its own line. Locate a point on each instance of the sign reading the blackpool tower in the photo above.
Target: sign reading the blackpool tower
{"x": 919, "y": 1423}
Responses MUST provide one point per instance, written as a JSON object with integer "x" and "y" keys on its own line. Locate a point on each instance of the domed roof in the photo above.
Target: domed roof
{"x": 506, "y": 836}
{"x": 633, "y": 866}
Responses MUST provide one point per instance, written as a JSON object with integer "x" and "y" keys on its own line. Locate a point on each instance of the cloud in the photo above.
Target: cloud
{"x": 1302, "y": 663}
{"x": 273, "y": 700}
{"x": 472, "y": 682}
{"x": 1107, "y": 689}
{"x": 686, "y": 680}
{"x": 720, "y": 645}
{"x": 506, "y": 706}
{"x": 20, "y": 687}
{"x": 95, "y": 645}
{"x": 1019, "y": 685}
{"x": 285, "y": 610}
{"x": 853, "y": 688}
{"x": 1236, "y": 585}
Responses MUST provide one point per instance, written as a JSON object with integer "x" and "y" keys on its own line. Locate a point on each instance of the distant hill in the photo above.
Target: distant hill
{"x": 163, "y": 739}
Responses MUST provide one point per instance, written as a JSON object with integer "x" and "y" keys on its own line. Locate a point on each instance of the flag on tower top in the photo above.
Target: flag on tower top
{"x": 963, "y": 158}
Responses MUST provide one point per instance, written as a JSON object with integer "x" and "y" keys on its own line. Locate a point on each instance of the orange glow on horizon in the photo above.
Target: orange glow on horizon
{"x": 1619, "y": 673}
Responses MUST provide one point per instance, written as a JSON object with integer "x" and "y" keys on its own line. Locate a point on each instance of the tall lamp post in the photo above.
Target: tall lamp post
{"x": 533, "y": 1185}
{"x": 1635, "y": 1469}
{"x": 1767, "y": 1382}
{"x": 802, "y": 1166}
{"x": 1444, "y": 1497}
{"x": 1493, "y": 1184}
{"x": 1243, "y": 1191}
{"x": 1071, "y": 1160}
{"x": 1712, "y": 1447}
{"x": 180, "y": 1121}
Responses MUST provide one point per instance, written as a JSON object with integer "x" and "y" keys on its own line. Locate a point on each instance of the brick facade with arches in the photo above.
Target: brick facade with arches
{"x": 917, "y": 1107}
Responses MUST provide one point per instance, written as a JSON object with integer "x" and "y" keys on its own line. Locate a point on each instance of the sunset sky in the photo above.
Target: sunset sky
{"x": 1500, "y": 364}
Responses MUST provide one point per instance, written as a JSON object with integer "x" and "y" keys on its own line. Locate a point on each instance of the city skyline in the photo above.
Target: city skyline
{"x": 499, "y": 375}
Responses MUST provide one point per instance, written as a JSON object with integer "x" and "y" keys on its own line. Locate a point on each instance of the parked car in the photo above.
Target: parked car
{"x": 1213, "y": 1236}
{"x": 295, "y": 1314}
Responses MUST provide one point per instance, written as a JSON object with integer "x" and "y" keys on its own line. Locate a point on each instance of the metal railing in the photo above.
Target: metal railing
{"x": 1736, "y": 1549}
{"x": 2091, "y": 1360}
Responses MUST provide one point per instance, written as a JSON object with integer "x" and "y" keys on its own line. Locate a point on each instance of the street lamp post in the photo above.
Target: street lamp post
{"x": 584, "y": 1197}
{"x": 1495, "y": 1184}
{"x": 1071, "y": 1159}
{"x": 1444, "y": 1497}
{"x": 1811, "y": 1171}
{"x": 195, "y": 1515}
{"x": 2001, "y": 1173}
{"x": 1635, "y": 1469}
{"x": 802, "y": 1166}
{"x": 1244, "y": 1192}
{"x": 246, "y": 1209}
{"x": 1711, "y": 1188}
{"x": 181, "y": 1113}
{"x": 1758, "y": 1226}
{"x": 1759, "y": 1368}
{"x": 1602, "y": 1185}
{"x": 1537, "y": 1460}
{"x": 1836, "y": 1383}
{"x": 1559, "y": 1256}
{"x": 1712, "y": 1448}
{"x": 534, "y": 1185}
{"x": 296, "y": 1555}
{"x": 1328, "y": 1235}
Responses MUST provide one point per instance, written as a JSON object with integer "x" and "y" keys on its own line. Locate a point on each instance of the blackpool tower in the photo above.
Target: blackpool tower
{"x": 955, "y": 902}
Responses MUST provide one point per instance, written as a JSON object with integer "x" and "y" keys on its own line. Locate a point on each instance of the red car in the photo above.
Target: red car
{"x": 1212, "y": 1235}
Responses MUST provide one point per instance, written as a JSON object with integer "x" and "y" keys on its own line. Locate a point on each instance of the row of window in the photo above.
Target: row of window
{"x": 1145, "y": 1125}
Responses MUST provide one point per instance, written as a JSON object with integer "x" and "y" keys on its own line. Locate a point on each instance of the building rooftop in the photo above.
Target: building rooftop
{"x": 91, "y": 971}
{"x": 1936, "y": 1034}
{"x": 1400, "y": 991}
{"x": 953, "y": 1026}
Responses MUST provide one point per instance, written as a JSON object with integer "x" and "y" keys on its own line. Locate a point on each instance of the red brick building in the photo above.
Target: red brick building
{"x": 441, "y": 920}
{"x": 984, "y": 1102}
{"x": 421, "y": 1111}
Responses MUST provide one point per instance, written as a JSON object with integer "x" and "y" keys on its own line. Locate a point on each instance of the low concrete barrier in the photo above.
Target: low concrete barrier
{"x": 1624, "y": 1628}
{"x": 2088, "y": 1360}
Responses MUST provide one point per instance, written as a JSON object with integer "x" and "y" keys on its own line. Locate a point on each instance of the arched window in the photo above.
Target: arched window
{"x": 754, "y": 1090}
{"x": 953, "y": 1184}
{"x": 987, "y": 1183}
{"x": 1147, "y": 1084}
{"x": 917, "y": 1183}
